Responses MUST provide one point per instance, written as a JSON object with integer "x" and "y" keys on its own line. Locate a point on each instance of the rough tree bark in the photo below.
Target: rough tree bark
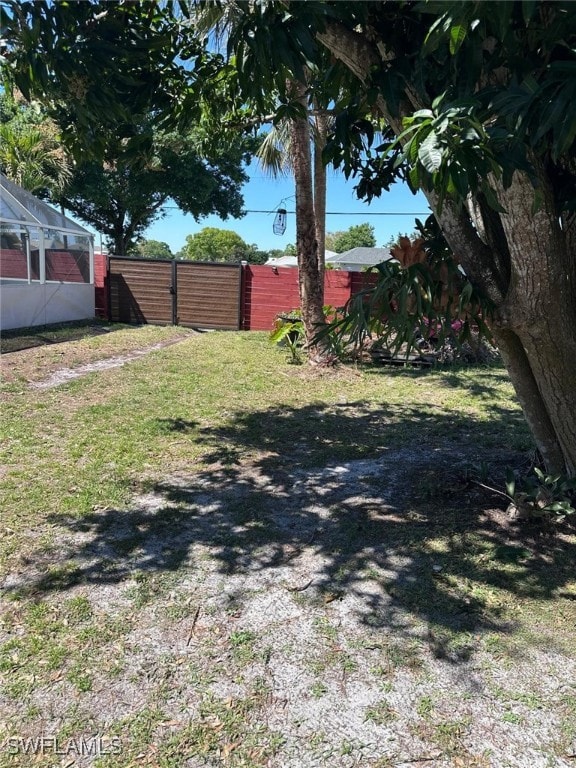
{"x": 320, "y": 134}
{"x": 525, "y": 262}
{"x": 540, "y": 309}
{"x": 311, "y": 283}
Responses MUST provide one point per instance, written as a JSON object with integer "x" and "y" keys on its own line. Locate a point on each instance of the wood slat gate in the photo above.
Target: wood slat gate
{"x": 139, "y": 292}
{"x": 164, "y": 292}
{"x": 208, "y": 295}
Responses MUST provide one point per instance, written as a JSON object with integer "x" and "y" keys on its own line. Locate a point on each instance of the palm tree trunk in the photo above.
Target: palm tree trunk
{"x": 320, "y": 192}
{"x": 310, "y": 283}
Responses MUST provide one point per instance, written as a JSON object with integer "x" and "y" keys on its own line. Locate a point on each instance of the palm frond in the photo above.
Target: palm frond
{"x": 274, "y": 152}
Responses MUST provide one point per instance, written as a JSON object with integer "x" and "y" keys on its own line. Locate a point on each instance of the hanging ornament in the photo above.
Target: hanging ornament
{"x": 279, "y": 226}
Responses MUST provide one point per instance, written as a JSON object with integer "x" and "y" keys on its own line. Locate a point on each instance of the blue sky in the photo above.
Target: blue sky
{"x": 264, "y": 193}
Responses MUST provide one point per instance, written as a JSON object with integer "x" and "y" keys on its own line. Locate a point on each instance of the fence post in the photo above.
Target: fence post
{"x": 174, "y": 293}
{"x": 108, "y": 289}
{"x": 242, "y": 294}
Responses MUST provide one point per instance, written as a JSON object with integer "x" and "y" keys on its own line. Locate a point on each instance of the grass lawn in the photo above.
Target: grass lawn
{"x": 212, "y": 557}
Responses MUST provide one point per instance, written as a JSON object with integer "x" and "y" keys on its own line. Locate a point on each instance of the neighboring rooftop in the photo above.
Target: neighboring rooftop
{"x": 355, "y": 258}
{"x": 288, "y": 260}
{"x": 283, "y": 261}
{"x": 364, "y": 256}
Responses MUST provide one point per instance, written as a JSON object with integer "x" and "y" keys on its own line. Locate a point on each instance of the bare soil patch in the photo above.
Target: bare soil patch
{"x": 64, "y": 375}
{"x": 320, "y": 611}
{"x": 67, "y": 353}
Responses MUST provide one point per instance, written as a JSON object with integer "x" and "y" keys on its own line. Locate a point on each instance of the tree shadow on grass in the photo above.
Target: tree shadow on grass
{"x": 25, "y": 338}
{"x": 374, "y": 507}
{"x": 485, "y": 381}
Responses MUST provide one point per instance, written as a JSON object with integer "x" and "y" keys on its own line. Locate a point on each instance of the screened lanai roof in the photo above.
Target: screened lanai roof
{"x": 18, "y": 206}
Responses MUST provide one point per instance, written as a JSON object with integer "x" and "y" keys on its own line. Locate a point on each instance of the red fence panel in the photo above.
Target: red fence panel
{"x": 268, "y": 291}
{"x": 337, "y": 287}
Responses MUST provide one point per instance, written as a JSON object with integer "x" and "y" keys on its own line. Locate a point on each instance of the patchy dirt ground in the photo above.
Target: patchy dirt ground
{"x": 364, "y": 614}
{"x": 39, "y": 355}
{"x": 62, "y": 375}
{"x": 308, "y": 606}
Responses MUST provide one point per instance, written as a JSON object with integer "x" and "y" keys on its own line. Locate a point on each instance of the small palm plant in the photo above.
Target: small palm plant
{"x": 289, "y": 330}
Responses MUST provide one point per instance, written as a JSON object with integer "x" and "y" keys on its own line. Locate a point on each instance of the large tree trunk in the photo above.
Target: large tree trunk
{"x": 118, "y": 241}
{"x": 522, "y": 261}
{"x": 309, "y": 275}
{"x": 540, "y": 308}
{"x": 525, "y": 261}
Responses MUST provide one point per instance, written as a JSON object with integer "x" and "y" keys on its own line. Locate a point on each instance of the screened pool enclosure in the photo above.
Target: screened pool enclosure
{"x": 46, "y": 262}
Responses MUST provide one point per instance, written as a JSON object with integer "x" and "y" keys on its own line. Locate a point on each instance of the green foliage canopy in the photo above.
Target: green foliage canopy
{"x": 114, "y": 61}
{"x": 31, "y": 154}
{"x": 121, "y": 198}
{"x": 214, "y": 244}
{"x": 135, "y": 93}
{"x": 153, "y": 249}
{"x": 356, "y": 236}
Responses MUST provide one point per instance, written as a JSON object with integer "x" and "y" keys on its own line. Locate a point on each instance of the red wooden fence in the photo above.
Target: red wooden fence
{"x": 266, "y": 291}
{"x": 270, "y": 290}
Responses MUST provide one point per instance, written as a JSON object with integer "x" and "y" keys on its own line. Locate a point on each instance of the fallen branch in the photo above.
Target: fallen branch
{"x": 192, "y": 628}
{"x": 300, "y": 589}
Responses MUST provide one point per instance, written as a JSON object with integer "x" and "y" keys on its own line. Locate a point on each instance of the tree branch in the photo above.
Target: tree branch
{"x": 351, "y": 48}
{"x": 360, "y": 57}
{"x": 477, "y": 258}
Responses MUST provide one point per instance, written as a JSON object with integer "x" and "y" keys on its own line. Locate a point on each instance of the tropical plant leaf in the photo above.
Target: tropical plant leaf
{"x": 430, "y": 153}
{"x": 457, "y": 37}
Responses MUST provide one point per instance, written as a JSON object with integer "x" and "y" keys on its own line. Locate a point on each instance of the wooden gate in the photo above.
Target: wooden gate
{"x": 164, "y": 292}
{"x": 208, "y": 295}
{"x": 140, "y": 291}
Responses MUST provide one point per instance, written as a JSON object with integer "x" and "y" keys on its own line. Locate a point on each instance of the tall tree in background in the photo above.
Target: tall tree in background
{"x": 122, "y": 195}
{"x": 214, "y": 244}
{"x": 356, "y": 236}
{"x": 153, "y": 249}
